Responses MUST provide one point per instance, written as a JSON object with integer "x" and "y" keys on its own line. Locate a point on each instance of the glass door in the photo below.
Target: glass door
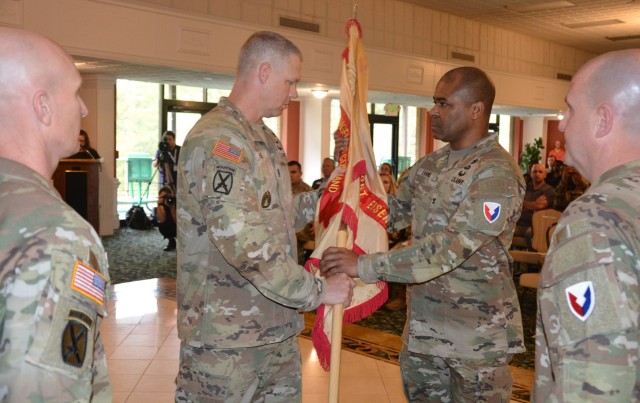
{"x": 384, "y": 136}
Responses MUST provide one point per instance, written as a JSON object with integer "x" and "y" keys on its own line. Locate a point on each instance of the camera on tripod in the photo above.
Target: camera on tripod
{"x": 163, "y": 147}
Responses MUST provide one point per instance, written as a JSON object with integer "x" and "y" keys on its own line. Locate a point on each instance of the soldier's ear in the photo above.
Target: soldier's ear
{"x": 264, "y": 71}
{"x": 477, "y": 109}
{"x": 42, "y": 107}
{"x": 605, "y": 117}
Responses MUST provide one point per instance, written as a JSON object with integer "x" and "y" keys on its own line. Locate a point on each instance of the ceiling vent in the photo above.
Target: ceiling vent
{"x": 562, "y": 76}
{"x": 299, "y": 24}
{"x": 463, "y": 56}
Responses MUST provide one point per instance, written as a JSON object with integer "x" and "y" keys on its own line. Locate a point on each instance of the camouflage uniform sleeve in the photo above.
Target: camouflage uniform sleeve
{"x": 251, "y": 234}
{"x": 400, "y": 205}
{"x": 305, "y": 208}
{"x": 587, "y": 336}
{"x": 55, "y": 351}
{"x": 467, "y": 231}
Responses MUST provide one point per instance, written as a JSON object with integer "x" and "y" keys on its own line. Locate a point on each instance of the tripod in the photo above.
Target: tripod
{"x": 168, "y": 174}
{"x": 136, "y": 212}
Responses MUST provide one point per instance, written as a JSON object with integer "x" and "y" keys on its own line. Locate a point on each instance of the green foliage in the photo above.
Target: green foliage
{"x": 532, "y": 154}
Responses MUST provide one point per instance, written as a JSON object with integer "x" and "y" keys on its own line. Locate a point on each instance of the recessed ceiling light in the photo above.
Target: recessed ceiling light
{"x": 550, "y": 5}
{"x": 593, "y": 23}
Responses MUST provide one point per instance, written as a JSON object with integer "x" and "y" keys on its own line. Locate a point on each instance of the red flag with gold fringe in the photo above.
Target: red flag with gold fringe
{"x": 354, "y": 197}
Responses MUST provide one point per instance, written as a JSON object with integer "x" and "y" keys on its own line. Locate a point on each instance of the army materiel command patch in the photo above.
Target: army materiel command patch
{"x": 223, "y": 182}
{"x": 581, "y": 298}
{"x": 266, "y": 200}
{"x": 88, "y": 282}
{"x": 491, "y": 211}
{"x": 74, "y": 343}
{"x": 227, "y": 151}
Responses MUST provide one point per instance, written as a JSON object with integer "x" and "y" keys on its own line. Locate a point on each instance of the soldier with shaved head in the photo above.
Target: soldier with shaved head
{"x": 53, "y": 268}
{"x": 588, "y": 328}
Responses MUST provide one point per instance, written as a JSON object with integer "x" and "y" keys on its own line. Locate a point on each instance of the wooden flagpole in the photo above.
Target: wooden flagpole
{"x": 337, "y": 314}
{"x": 336, "y": 335}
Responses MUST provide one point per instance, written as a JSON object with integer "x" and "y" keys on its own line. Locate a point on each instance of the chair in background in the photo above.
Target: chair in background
{"x": 531, "y": 280}
{"x": 541, "y": 221}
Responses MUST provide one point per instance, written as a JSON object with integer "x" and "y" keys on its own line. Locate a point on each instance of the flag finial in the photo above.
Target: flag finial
{"x": 355, "y": 11}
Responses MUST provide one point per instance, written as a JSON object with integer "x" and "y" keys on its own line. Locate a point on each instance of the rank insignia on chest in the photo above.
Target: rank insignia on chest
{"x": 491, "y": 211}
{"x": 227, "y": 151}
{"x": 266, "y": 200}
{"x": 88, "y": 282}
{"x": 581, "y": 299}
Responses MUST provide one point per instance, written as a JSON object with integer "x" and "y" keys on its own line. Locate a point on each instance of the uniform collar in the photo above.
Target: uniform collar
{"x": 14, "y": 169}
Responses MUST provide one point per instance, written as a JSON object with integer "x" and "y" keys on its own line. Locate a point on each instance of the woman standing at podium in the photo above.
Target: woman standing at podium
{"x": 86, "y": 152}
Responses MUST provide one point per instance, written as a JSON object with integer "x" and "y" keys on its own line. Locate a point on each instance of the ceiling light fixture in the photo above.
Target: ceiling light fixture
{"x": 549, "y": 5}
{"x": 592, "y": 24}
{"x": 319, "y": 93}
{"x": 623, "y": 38}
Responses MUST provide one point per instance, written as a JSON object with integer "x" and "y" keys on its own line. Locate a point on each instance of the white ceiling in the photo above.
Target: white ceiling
{"x": 550, "y": 22}
{"x": 556, "y": 20}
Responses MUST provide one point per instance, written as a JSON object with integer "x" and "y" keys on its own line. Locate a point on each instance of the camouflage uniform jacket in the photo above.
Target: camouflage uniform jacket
{"x": 53, "y": 295}
{"x": 300, "y": 187}
{"x": 588, "y": 335}
{"x": 463, "y": 302}
{"x": 239, "y": 283}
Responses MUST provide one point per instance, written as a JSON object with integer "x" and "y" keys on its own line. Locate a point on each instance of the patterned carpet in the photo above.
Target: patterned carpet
{"x": 138, "y": 255}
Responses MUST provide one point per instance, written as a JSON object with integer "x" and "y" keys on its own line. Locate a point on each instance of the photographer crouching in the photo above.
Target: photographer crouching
{"x": 166, "y": 159}
{"x": 166, "y": 216}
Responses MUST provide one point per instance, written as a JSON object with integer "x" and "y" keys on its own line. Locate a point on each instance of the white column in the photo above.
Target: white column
{"x": 99, "y": 94}
{"x": 315, "y": 134}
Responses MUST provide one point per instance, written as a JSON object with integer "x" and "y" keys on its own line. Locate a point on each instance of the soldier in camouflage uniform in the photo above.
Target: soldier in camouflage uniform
{"x": 462, "y": 202}
{"x": 588, "y": 333}
{"x": 53, "y": 269}
{"x": 240, "y": 289}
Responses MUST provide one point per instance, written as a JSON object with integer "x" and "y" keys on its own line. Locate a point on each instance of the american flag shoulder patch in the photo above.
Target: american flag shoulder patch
{"x": 227, "y": 151}
{"x": 88, "y": 282}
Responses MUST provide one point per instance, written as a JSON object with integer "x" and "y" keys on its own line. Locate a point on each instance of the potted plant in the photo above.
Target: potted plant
{"x": 531, "y": 154}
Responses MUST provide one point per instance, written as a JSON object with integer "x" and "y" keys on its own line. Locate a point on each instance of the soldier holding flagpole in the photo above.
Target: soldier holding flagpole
{"x": 462, "y": 202}
{"x": 240, "y": 290}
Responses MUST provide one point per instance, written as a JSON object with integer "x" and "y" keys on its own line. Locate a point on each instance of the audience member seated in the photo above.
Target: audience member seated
{"x": 572, "y": 186}
{"x": 86, "y": 152}
{"x": 539, "y": 196}
{"x": 555, "y": 176}
{"x": 298, "y": 186}
{"x": 550, "y": 161}
{"x": 295, "y": 174}
{"x": 328, "y": 166}
{"x": 166, "y": 216}
{"x": 386, "y": 168}
{"x": 558, "y": 152}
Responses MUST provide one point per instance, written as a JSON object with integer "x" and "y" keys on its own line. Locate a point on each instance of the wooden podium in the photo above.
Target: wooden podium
{"x": 77, "y": 181}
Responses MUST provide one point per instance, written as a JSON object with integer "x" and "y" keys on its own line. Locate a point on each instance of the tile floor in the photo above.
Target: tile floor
{"x": 142, "y": 347}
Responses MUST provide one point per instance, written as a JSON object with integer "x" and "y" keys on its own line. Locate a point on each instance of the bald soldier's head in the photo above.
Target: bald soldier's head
{"x": 602, "y": 123}
{"x": 40, "y": 107}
